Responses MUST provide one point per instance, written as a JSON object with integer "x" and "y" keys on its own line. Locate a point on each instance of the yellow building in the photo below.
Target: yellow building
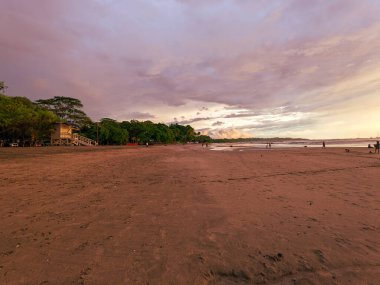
{"x": 63, "y": 135}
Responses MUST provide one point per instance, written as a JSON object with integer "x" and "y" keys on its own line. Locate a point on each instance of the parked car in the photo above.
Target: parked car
{"x": 13, "y": 144}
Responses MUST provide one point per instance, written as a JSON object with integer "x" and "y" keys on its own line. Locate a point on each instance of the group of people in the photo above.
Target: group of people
{"x": 377, "y": 147}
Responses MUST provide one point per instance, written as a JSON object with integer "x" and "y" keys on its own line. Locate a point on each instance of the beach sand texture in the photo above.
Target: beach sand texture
{"x": 188, "y": 215}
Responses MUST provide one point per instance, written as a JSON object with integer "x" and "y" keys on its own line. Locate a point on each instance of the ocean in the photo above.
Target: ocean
{"x": 344, "y": 143}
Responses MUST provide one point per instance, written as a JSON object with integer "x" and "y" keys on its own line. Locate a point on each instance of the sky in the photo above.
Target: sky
{"x": 229, "y": 68}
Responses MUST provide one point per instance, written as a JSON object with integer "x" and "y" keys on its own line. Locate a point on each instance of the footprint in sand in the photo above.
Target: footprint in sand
{"x": 319, "y": 254}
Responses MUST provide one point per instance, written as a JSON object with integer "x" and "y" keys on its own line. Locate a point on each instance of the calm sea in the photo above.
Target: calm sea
{"x": 346, "y": 143}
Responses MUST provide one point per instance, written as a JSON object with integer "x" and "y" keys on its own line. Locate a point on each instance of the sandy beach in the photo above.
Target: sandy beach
{"x": 188, "y": 215}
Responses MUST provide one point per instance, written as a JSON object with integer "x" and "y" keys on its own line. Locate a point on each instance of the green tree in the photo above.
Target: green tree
{"x": 108, "y": 132}
{"x": 203, "y": 139}
{"x": 111, "y": 133}
{"x": 136, "y": 130}
{"x": 183, "y": 133}
{"x": 147, "y": 131}
{"x": 163, "y": 134}
{"x": 91, "y": 131}
{"x": 67, "y": 109}
{"x": 22, "y": 120}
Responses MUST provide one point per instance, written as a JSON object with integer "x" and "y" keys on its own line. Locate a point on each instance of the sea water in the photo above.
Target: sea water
{"x": 344, "y": 143}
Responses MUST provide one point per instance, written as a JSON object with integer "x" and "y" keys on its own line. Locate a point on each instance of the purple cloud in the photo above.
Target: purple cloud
{"x": 140, "y": 115}
{"x": 218, "y": 123}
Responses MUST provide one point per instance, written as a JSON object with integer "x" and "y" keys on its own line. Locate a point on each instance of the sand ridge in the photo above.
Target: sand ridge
{"x": 187, "y": 215}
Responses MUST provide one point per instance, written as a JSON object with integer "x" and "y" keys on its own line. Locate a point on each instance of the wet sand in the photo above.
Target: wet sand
{"x": 188, "y": 215}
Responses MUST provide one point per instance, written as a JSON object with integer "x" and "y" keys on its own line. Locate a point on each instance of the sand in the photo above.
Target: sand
{"x": 188, "y": 215}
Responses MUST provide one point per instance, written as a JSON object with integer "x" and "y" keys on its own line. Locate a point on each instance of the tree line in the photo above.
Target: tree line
{"x": 28, "y": 122}
{"x": 111, "y": 132}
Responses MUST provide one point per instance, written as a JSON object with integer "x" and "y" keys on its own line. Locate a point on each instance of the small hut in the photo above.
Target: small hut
{"x": 63, "y": 135}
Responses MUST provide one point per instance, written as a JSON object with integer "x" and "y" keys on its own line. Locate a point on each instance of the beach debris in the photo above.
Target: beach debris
{"x": 275, "y": 258}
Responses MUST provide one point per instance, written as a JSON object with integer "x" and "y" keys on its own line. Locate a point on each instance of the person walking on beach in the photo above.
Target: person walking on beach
{"x": 377, "y": 149}
{"x": 323, "y": 144}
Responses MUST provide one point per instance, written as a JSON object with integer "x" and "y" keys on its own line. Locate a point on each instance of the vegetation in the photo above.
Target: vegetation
{"x": 67, "y": 109}
{"x": 27, "y": 122}
{"x": 23, "y": 121}
{"x": 147, "y": 131}
{"x": 106, "y": 132}
{"x": 109, "y": 132}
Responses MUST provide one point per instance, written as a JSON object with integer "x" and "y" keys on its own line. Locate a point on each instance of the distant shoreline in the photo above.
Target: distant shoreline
{"x": 341, "y": 143}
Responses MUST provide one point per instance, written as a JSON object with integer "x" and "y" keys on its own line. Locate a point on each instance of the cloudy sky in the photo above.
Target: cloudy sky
{"x": 230, "y": 68}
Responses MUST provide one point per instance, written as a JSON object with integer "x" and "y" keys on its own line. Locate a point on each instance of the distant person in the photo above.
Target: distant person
{"x": 323, "y": 144}
{"x": 206, "y": 144}
{"x": 270, "y": 145}
{"x": 377, "y": 147}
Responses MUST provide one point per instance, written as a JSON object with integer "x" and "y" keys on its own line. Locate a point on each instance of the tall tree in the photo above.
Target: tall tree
{"x": 67, "y": 109}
